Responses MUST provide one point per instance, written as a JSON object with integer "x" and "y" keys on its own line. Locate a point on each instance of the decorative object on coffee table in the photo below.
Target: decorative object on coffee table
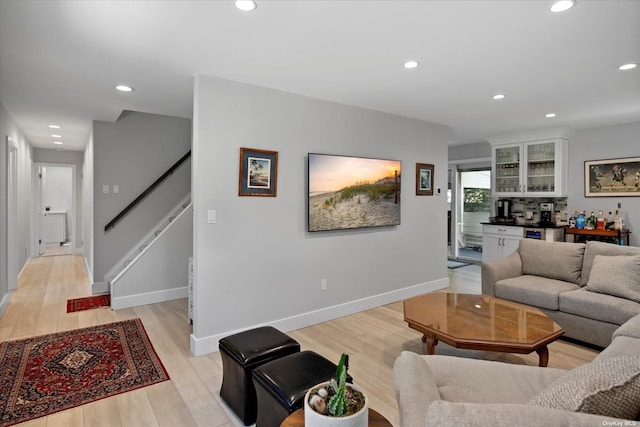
{"x": 51, "y": 373}
{"x": 335, "y": 403}
{"x": 481, "y": 322}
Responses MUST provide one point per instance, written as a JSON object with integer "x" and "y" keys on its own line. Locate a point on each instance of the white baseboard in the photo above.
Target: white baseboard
{"x": 209, "y": 344}
{"x": 118, "y": 303}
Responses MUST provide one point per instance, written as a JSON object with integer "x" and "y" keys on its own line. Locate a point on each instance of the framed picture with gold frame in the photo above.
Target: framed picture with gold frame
{"x": 258, "y": 173}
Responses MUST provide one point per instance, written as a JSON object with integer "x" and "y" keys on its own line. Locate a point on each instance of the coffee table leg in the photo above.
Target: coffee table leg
{"x": 543, "y": 354}
{"x": 431, "y": 341}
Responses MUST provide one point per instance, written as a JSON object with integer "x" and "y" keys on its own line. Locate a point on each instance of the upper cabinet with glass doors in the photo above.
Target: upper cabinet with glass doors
{"x": 534, "y": 168}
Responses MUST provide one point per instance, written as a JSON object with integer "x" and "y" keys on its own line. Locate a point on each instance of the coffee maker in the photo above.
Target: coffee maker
{"x": 503, "y": 210}
{"x": 547, "y": 212}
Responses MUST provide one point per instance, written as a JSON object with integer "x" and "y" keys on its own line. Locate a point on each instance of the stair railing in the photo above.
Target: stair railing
{"x": 145, "y": 193}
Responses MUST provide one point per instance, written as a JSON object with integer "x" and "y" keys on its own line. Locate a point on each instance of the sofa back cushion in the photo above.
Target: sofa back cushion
{"x": 608, "y": 387}
{"x": 616, "y": 275}
{"x": 600, "y": 248}
{"x": 555, "y": 260}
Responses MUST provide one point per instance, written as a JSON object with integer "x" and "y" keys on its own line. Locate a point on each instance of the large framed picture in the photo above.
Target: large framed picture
{"x": 346, "y": 192}
{"x": 258, "y": 172}
{"x": 612, "y": 177}
{"x": 424, "y": 179}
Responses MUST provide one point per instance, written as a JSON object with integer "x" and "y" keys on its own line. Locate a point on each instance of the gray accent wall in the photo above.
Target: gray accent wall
{"x": 257, "y": 264}
{"x": 601, "y": 143}
{"x": 132, "y": 153}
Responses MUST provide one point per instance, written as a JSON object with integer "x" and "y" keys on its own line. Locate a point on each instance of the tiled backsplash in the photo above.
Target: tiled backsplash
{"x": 523, "y": 205}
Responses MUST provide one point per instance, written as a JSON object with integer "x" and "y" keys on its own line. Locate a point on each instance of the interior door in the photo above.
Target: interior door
{"x": 41, "y": 200}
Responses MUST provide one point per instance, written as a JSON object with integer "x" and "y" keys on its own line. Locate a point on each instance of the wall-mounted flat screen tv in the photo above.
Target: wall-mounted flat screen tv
{"x": 352, "y": 192}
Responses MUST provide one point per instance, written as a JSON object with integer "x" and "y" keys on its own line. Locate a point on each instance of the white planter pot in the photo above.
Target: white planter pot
{"x": 314, "y": 419}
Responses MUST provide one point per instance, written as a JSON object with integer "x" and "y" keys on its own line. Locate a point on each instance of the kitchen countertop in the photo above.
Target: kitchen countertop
{"x": 527, "y": 224}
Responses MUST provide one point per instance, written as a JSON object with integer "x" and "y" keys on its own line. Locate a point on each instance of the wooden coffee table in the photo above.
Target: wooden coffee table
{"x": 481, "y": 322}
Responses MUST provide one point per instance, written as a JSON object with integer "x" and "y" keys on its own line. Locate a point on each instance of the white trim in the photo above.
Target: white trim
{"x": 470, "y": 161}
{"x": 4, "y": 303}
{"x": 537, "y": 135}
{"x": 148, "y": 298}
{"x": 200, "y": 346}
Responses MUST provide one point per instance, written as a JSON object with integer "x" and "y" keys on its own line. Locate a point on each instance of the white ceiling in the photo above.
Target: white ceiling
{"x": 60, "y": 60}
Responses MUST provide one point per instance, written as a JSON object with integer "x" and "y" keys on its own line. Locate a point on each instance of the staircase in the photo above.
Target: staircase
{"x": 156, "y": 268}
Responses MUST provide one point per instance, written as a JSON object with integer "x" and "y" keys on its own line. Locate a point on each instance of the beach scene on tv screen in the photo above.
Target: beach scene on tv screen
{"x": 352, "y": 192}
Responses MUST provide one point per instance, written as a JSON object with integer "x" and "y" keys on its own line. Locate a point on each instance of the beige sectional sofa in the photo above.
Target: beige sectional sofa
{"x": 588, "y": 289}
{"x": 455, "y": 391}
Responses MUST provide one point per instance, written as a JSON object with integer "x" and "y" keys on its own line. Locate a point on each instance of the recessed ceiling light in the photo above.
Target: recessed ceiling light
{"x": 550, "y": 115}
{"x": 411, "y": 64}
{"x": 54, "y": 126}
{"x": 55, "y": 136}
{"x": 124, "y": 88}
{"x": 562, "y": 5}
{"x": 57, "y": 142}
{"x": 246, "y": 5}
{"x": 498, "y": 96}
{"x": 626, "y": 67}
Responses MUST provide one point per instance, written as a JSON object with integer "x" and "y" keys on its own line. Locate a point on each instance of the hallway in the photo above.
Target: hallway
{"x": 191, "y": 398}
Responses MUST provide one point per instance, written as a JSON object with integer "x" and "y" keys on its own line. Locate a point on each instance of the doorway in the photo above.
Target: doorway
{"x": 55, "y": 204}
{"x": 468, "y": 198}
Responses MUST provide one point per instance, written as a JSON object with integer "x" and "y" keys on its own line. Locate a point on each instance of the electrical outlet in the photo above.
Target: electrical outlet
{"x": 323, "y": 284}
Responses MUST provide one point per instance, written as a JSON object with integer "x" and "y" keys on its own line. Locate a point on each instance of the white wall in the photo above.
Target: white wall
{"x": 601, "y": 143}
{"x": 8, "y": 127}
{"x": 239, "y": 286}
{"x": 134, "y": 152}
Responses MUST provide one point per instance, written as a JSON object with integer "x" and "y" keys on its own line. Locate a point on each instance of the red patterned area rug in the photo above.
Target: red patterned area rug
{"x": 51, "y": 373}
{"x": 87, "y": 303}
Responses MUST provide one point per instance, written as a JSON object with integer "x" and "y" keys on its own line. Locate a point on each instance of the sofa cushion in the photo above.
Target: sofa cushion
{"x": 631, "y": 328}
{"x": 533, "y": 290}
{"x": 555, "y": 260}
{"x": 616, "y": 275}
{"x": 442, "y": 413}
{"x": 602, "y": 307}
{"x": 609, "y": 387}
{"x": 594, "y": 248}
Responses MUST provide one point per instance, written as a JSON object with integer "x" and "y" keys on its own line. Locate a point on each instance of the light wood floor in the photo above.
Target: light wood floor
{"x": 373, "y": 339}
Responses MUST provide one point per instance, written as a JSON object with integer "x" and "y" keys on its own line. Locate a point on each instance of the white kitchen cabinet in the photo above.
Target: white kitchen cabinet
{"x": 534, "y": 168}
{"x": 498, "y": 241}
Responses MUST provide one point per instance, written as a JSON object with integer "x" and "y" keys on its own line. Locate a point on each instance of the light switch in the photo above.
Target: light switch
{"x": 105, "y": 189}
{"x": 211, "y": 217}
{"x": 116, "y": 189}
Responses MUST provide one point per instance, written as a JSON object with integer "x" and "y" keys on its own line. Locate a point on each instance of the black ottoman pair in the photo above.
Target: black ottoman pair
{"x": 265, "y": 375}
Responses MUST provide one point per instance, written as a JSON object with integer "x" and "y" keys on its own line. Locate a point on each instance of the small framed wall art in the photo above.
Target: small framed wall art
{"x": 424, "y": 179}
{"x": 258, "y": 173}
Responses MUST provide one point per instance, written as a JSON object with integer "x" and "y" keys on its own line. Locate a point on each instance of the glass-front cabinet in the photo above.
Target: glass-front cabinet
{"x": 534, "y": 168}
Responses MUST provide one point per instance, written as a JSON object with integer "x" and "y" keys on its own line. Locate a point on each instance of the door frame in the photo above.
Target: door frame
{"x": 12, "y": 214}
{"x": 37, "y": 203}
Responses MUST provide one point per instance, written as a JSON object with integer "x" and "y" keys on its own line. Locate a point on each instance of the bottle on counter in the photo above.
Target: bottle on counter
{"x": 590, "y": 222}
{"x": 600, "y": 220}
{"x": 572, "y": 219}
{"x": 617, "y": 221}
{"x": 580, "y": 221}
{"x": 609, "y": 224}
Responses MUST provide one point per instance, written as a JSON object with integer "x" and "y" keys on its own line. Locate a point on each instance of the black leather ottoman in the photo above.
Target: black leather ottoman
{"x": 281, "y": 384}
{"x": 241, "y": 353}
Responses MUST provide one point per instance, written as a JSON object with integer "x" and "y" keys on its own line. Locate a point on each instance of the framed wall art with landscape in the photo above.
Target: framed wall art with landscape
{"x": 424, "y": 179}
{"x": 352, "y": 192}
{"x": 612, "y": 177}
{"x": 258, "y": 172}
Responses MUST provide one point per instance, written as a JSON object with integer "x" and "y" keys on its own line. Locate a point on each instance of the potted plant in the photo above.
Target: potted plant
{"x": 335, "y": 403}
